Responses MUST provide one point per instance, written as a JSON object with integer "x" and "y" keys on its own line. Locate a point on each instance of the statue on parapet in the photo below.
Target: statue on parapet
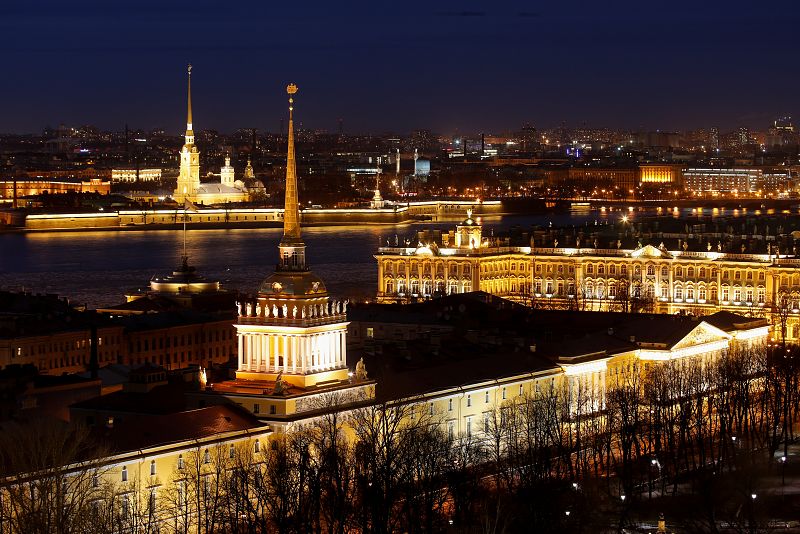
{"x": 361, "y": 371}
{"x": 281, "y": 388}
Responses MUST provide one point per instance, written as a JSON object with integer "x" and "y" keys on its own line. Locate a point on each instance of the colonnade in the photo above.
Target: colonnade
{"x": 269, "y": 352}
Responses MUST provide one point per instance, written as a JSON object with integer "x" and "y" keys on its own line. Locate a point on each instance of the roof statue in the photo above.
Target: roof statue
{"x": 361, "y": 371}
{"x": 280, "y": 387}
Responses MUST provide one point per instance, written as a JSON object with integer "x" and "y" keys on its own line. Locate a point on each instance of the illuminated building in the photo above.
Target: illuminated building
{"x": 292, "y": 336}
{"x": 189, "y": 186}
{"x": 580, "y": 275}
{"x": 10, "y": 189}
{"x": 736, "y": 180}
{"x": 720, "y": 180}
{"x": 135, "y": 175}
{"x": 654, "y": 173}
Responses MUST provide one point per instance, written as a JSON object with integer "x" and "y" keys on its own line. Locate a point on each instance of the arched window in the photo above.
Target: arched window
{"x": 152, "y": 468}
{"x": 124, "y": 474}
{"x": 257, "y": 447}
{"x": 664, "y": 272}
{"x": 206, "y": 457}
{"x": 651, "y": 270}
{"x": 690, "y": 272}
{"x": 180, "y": 461}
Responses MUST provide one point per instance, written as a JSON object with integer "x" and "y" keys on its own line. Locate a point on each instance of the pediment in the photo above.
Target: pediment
{"x": 700, "y": 335}
{"x": 649, "y": 251}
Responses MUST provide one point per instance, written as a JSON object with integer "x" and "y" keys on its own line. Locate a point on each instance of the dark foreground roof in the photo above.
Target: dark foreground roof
{"x": 138, "y": 432}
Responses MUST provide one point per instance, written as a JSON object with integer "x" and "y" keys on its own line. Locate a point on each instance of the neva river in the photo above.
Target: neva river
{"x": 96, "y": 268}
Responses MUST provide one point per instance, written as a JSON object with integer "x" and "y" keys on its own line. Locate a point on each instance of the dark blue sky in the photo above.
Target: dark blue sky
{"x": 393, "y": 66}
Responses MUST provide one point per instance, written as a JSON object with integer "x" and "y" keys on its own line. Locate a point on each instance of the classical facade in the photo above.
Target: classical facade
{"x": 646, "y": 278}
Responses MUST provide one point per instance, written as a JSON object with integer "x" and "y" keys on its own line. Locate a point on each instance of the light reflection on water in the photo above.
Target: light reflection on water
{"x": 96, "y": 268}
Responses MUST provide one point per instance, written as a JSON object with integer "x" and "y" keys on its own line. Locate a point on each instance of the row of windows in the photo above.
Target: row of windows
{"x": 181, "y": 463}
{"x": 427, "y": 268}
{"x": 180, "y": 341}
{"x": 427, "y": 288}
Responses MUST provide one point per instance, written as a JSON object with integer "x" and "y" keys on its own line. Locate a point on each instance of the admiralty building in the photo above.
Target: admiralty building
{"x": 698, "y": 276}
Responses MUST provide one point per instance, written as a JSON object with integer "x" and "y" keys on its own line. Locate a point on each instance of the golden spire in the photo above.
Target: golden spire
{"x": 189, "y": 132}
{"x": 291, "y": 213}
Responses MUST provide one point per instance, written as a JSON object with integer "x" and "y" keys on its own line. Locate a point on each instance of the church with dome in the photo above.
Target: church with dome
{"x": 189, "y": 187}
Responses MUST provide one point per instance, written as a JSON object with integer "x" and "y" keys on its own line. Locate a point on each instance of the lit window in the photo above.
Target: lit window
{"x": 370, "y": 333}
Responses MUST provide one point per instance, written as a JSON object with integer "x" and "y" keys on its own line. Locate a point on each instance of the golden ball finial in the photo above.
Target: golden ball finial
{"x": 291, "y": 89}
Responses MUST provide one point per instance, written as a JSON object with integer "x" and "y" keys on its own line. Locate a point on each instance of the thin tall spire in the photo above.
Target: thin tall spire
{"x": 291, "y": 214}
{"x": 189, "y": 132}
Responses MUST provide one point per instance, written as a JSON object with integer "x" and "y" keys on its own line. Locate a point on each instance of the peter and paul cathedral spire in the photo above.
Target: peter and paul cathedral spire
{"x": 189, "y": 175}
{"x": 189, "y": 132}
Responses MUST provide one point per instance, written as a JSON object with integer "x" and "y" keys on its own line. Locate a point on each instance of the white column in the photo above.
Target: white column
{"x": 286, "y": 349}
{"x": 331, "y": 349}
{"x": 295, "y": 344}
{"x": 305, "y": 355}
{"x": 273, "y": 351}
{"x": 263, "y": 358}
{"x": 259, "y": 350}
{"x": 241, "y": 351}
{"x": 337, "y": 353}
{"x": 343, "y": 360}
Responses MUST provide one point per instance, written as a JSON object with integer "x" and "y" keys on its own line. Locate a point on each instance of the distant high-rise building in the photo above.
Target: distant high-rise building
{"x": 784, "y": 124}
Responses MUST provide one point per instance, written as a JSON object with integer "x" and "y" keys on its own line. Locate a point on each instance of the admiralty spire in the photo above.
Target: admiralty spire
{"x": 292, "y": 335}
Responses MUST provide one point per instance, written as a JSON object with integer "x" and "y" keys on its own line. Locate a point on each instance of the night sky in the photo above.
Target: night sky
{"x": 393, "y": 66}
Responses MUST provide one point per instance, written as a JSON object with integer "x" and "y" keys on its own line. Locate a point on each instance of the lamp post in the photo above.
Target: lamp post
{"x": 783, "y": 470}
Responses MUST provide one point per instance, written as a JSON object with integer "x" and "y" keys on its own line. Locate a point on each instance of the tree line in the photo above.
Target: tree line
{"x": 568, "y": 456}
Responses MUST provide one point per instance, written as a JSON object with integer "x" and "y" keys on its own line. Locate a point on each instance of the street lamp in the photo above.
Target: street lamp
{"x": 783, "y": 470}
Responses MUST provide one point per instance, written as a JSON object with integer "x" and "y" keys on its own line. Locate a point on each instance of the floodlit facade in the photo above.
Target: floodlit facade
{"x": 648, "y": 278}
{"x": 135, "y": 175}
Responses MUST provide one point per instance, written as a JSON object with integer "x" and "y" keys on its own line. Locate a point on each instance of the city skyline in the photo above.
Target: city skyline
{"x": 451, "y": 68}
